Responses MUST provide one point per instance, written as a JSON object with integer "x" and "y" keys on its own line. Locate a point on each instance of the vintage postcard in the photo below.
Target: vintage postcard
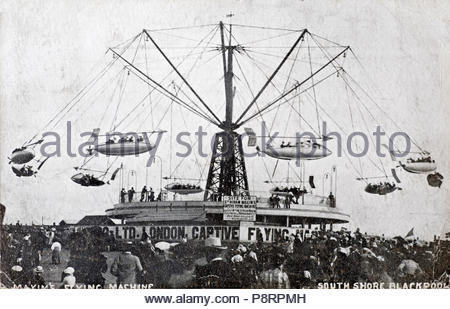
{"x": 224, "y": 145}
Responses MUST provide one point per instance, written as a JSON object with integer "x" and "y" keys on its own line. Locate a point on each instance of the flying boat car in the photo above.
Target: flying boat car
{"x": 303, "y": 148}
{"x": 124, "y": 146}
{"x": 381, "y": 188}
{"x": 87, "y": 180}
{"x": 183, "y": 189}
{"x": 23, "y": 154}
{"x": 420, "y": 165}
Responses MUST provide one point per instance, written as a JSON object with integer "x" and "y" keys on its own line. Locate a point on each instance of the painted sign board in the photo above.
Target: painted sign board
{"x": 239, "y": 208}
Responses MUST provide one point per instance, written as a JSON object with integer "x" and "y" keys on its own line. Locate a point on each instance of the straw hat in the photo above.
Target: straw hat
{"x": 242, "y": 248}
{"x": 69, "y": 270}
{"x": 162, "y": 245}
{"x": 38, "y": 269}
{"x": 343, "y": 250}
{"x": 214, "y": 242}
{"x": 237, "y": 258}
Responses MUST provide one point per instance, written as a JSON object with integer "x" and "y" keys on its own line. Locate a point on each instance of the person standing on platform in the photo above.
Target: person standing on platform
{"x": 151, "y": 197}
{"x": 287, "y": 202}
{"x": 277, "y": 201}
{"x": 144, "y": 193}
{"x": 131, "y": 194}
{"x": 123, "y": 193}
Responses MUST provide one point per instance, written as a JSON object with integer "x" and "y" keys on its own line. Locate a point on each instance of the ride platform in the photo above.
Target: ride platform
{"x": 311, "y": 210}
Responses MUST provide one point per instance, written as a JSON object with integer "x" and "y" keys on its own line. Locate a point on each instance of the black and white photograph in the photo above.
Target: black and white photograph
{"x": 149, "y": 145}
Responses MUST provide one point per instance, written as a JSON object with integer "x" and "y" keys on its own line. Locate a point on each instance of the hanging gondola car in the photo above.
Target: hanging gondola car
{"x": 282, "y": 191}
{"x": 183, "y": 189}
{"x": 306, "y": 150}
{"x": 87, "y": 180}
{"x": 27, "y": 170}
{"x": 123, "y": 147}
{"x": 23, "y": 154}
{"x": 435, "y": 180}
{"x": 381, "y": 188}
{"x": 419, "y": 166}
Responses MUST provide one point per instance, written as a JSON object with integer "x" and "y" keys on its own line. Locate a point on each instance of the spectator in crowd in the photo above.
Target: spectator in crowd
{"x": 145, "y": 251}
{"x": 17, "y": 275}
{"x": 409, "y": 271}
{"x": 95, "y": 267}
{"x": 69, "y": 279}
{"x": 37, "y": 278}
{"x": 51, "y": 236}
{"x": 275, "y": 277}
{"x": 27, "y": 256}
{"x": 125, "y": 266}
{"x": 56, "y": 252}
{"x": 215, "y": 274}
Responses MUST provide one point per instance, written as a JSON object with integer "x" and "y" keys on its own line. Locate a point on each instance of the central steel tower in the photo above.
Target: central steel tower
{"x": 227, "y": 174}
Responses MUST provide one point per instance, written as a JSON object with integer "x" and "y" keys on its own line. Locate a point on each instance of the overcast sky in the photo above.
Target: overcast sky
{"x": 48, "y": 48}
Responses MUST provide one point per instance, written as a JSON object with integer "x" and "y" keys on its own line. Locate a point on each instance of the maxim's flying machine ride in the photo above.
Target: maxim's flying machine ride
{"x": 285, "y": 81}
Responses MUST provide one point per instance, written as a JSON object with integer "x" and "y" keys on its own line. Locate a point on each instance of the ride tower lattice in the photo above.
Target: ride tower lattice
{"x": 227, "y": 174}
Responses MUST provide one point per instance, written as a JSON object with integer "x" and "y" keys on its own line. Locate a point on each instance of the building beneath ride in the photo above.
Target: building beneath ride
{"x": 260, "y": 219}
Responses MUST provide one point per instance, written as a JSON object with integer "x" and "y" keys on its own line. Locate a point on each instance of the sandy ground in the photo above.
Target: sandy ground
{"x": 52, "y": 273}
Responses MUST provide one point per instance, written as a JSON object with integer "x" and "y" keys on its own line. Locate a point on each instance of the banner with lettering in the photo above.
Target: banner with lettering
{"x": 176, "y": 233}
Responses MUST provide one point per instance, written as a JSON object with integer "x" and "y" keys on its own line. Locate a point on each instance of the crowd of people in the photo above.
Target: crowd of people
{"x": 325, "y": 258}
{"x": 21, "y": 254}
{"x": 23, "y": 249}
